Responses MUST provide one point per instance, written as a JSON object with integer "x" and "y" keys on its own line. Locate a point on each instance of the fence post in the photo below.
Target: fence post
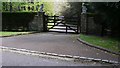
{"x": 79, "y": 24}
{"x": 44, "y": 22}
{"x": 66, "y": 29}
{"x": 54, "y": 20}
{"x": 77, "y": 28}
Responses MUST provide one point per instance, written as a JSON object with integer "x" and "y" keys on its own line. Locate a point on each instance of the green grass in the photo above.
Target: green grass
{"x": 105, "y": 42}
{"x": 11, "y": 33}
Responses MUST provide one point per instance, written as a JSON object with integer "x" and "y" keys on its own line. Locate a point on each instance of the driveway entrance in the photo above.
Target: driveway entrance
{"x": 59, "y": 43}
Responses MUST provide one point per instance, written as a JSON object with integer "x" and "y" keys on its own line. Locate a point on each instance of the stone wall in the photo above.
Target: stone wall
{"x": 17, "y": 21}
{"x": 83, "y": 23}
{"x": 88, "y": 25}
{"x": 25, "y": 21}
{"x": 37, "y": 23}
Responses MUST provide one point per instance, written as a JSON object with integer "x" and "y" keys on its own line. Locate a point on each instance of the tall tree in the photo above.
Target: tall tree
{"x": 108, "y": 16}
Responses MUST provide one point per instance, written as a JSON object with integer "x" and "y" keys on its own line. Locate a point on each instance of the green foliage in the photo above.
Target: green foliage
{"x": 109, "y": 43}
{"x": 0, "y": 6}
{"x": 72, "y": 9}
{"x": 48, "y": 7}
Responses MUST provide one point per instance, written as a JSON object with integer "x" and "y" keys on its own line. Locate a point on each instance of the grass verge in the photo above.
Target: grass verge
{"x": 11, "y": 33}
{"x": 105, "y": 42}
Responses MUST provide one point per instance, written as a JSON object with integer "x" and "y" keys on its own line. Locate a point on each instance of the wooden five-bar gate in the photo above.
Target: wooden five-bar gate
{"x": 63, "y": 24}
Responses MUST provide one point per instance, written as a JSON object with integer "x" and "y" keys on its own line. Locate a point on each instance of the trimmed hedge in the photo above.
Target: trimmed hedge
{"x": 17, "y": 21}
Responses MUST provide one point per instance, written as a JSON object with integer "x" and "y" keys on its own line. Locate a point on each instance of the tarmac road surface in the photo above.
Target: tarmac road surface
{"x": 17, "y": 59}
{"x": 58, "y": 43}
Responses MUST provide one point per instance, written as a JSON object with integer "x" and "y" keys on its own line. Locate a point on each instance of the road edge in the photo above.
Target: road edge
{"x": 97, "y": 47}
{"x": 20, "y": 34}
{"x": 75, "y": 58}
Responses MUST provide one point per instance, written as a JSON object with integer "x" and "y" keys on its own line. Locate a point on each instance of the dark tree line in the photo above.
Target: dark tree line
{"x": 108, "y": 15}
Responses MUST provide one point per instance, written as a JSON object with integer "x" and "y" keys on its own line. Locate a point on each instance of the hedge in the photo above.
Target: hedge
{"x": 16, "y": 21}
